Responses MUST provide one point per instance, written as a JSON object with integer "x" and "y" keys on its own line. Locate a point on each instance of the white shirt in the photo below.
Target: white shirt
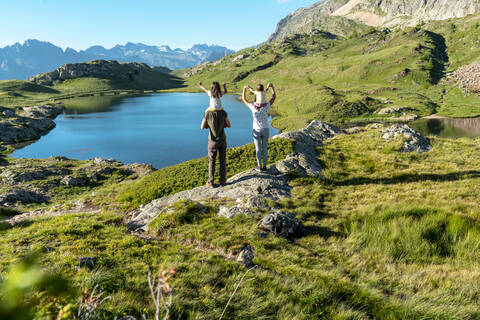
{"x": 215, "y": 103}
{"x": 260, "y": 96}
{"x": 260, "y": 116}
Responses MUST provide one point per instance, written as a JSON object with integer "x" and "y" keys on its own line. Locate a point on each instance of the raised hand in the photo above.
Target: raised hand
{"x": 200, "y": 83}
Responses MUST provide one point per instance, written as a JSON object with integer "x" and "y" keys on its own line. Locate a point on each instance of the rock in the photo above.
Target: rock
{"x": 394, "y": 109}
{"x": 102, "y": 161}
{"x": 283, "y": 225}
{"x": 414, "y": 141}
{"x": 22, "y": 196}
{"x": 354, "y": 130}
{"x": 230, "y": 212}
{"x": 88, "y": 262}
{"x": 246, "y": 256}
{"x": 140, "y": 169}
{"x": 304, "y": 160}
{"x": 408, "y": 117}
{"x": 240, "y": 57}
{"x": 30, "y": 124}
{"x": 25, "y": 174}
{"x": 75, "y": 181}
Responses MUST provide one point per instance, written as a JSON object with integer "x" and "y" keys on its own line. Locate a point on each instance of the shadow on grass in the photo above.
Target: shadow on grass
{"x": 323, "y": 232}
{"x": 453, "y": 176}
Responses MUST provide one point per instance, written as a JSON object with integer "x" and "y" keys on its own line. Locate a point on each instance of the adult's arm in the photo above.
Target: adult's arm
{"x": 244, "y": 96}
{"x": 224, "y": 88}
{"x": 274, "y": 93}
{"x": 204, "y": 124}
{"x": 203, "y": 88}
{"x": 227, "y": 122}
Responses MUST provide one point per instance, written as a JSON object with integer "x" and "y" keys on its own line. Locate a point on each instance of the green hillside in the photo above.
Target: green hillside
{"x": 320, "y": 76}
{"x": 119, "y": 79}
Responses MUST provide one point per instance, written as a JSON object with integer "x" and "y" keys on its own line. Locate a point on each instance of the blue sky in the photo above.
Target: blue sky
{"x": 178, "y": 23}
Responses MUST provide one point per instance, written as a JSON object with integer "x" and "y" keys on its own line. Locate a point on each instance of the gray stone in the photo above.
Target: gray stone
{"x": 102, "y": 161}
{"x": 229, "y": 212}
{"x": 414, "y": 141}
{"x": 25, "y": 174}
{"x": 283, "y": 225}
{"x": 246, "y": 256}
{"x": 22, "y": 196}
{"x": 394, "y": 109}
{"x": 75, "y": 181}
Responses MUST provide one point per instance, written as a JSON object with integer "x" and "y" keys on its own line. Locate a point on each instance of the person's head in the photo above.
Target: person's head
{"x": 215, "y": 90}
{"x": 260, "y": 87}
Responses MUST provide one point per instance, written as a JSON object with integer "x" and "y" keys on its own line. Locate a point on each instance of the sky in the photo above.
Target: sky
{"x": 80, "y": 24}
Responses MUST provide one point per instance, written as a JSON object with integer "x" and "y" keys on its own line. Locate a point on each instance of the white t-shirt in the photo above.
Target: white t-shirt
{"x": 260, "y": 96}
{"x": 260, "y": 116}
{"x": 215, "y": 103}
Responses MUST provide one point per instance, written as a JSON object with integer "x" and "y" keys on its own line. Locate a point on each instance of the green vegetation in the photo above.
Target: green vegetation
{"x": 388, "y": 236}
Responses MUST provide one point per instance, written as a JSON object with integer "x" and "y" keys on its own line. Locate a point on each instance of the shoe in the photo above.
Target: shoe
{"x": 210, "y": 184}
{"x": 258, "y": 169}
{"x": 223, "y": 184}
{"x": 264, "y": 169}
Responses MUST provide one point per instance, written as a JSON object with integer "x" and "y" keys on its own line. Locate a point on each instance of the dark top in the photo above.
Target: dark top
{"x": 216, "y": 124}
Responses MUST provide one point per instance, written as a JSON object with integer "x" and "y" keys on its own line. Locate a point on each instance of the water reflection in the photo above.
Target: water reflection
{"x": 92, "y": 104}
{"x": 449, "y": 127}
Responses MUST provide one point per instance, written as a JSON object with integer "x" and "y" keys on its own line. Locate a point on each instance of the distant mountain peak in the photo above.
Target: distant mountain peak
{"x": 21, "y": 61}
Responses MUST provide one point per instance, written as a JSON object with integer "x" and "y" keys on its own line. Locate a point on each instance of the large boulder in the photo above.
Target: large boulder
{"x": 21, "y": 196}
{"x": 283, "y": 225}
{"x": 413, "y": 141}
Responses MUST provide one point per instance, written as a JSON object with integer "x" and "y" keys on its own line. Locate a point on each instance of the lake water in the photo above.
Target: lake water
{"x": 448, "y": 127}
{"x": 160, "y": 129}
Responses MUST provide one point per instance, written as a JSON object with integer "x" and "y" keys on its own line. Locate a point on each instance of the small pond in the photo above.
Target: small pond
{"x": 448, "y": 127}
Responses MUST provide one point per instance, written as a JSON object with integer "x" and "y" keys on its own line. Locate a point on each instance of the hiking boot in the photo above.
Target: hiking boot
{"x": 210, "y": 184}
{"x": 258, "y": 169}
{"x": 223, "y": 184}
{"x": 264, "y": 169}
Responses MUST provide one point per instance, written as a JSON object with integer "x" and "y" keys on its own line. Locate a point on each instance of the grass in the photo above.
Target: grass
{"x": 388, "y": 235}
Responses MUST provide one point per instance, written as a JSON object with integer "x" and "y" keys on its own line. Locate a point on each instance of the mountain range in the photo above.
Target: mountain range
{"x": 21, "y": 61}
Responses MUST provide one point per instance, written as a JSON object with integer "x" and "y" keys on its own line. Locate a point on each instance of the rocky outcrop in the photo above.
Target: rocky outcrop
{"x": 250, "y": 190}
{"x": 468, "y": 76}
{"x": 413, "y": 141}
{"x": 374, "y": 13}
{"x": 110, "y": 69}
{"x": 283, "y": 225}
{"x": 28, "y": 123}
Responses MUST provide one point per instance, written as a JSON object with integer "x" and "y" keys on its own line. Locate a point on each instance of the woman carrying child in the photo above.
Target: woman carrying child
{"x": 216, "y": 119}
{"x": 261, "y": 131}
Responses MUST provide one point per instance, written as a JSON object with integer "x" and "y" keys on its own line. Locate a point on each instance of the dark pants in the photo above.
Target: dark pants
{"x": 221, "y": 148}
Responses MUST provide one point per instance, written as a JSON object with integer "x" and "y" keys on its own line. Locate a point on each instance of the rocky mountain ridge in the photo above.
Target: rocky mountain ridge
{"x": 20, "y": 61}
{"x": 381, "y": 13}
{"x": 95, "y": 69}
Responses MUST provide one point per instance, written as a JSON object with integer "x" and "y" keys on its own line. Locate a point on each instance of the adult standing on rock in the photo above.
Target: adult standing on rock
{"x": 261, "y": 128}
{"x": 216, "y": 120}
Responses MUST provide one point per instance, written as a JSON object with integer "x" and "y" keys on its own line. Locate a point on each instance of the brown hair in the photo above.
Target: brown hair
{"x": 215, "y": 90}
{"x": 260, "y": 87}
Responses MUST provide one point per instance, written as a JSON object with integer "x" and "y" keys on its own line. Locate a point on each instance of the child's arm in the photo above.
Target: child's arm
{"x": 227, "y": 122}
{"x": 204, "y": 124}
{"x": 274, "y": 94}
{"x": 203, "y": 88}
{"x": 251, "y": 90}
{"x": 224, "y": 88}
